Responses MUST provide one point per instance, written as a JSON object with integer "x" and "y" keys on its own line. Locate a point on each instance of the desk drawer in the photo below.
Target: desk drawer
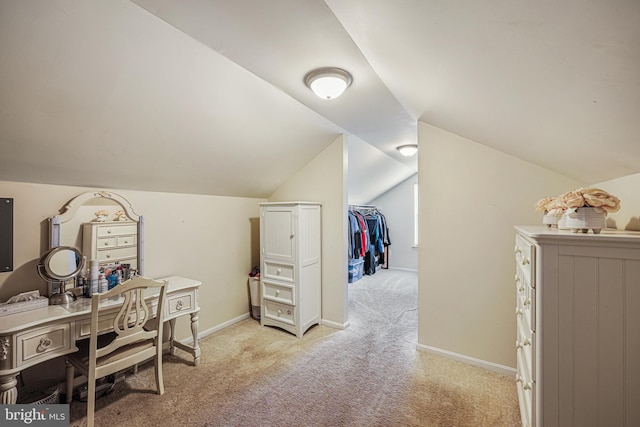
{"x": 42, "y": 343}
{"x": 83, "y": 327}
{"x": 181, "y": 303}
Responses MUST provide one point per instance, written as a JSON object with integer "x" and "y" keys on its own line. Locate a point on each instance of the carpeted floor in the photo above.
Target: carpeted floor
{"x": 367, "y": 375}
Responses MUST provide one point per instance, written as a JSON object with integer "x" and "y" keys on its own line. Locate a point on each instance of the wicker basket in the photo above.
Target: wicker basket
{"x": 41, "y": 393}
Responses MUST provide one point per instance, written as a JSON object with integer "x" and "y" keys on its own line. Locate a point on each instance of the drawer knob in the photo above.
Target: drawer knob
{"x": 108, "y": 255}
{"x": 179, "y": 305}
{"x": 279, "y": 312}
{"x": 289, "y": 312}
{"x": 108, "y": 231}
{"x": 527, "y": 302}
{"x": 517, "y": 250}
{"x": 277, "y": 292}
{"x": 106, "y": 243}
{"x": 525, "y": 261}
{"x": 527, "y": 341}
{"x": 518, "y": 344}
{"x": 44, "y": 343}
{"x": 527, "y": 386}
{"x": 279, "y": 271}
{"x": 518, "y": 311}
{"x": 517, "y": 279}
{"x": 518, "y": 378}
{"x": 521, "y": 288}
{"x": 126, "y": 242}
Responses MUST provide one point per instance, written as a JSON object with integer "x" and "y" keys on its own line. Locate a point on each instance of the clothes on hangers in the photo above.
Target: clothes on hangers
{"x": 368, "y": 236}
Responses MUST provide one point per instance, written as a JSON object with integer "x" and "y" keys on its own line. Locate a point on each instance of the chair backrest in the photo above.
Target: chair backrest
{"x": 132, "y": 316}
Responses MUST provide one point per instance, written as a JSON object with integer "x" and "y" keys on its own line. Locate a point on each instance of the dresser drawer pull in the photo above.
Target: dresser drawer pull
{"x": 527, "y": 341}
{"x": 109, "y": 231}
{"x": 278, "y": 271}
{"x": 179, "y": 305}
{"x": 277, "y": 292}
{"x": 44, "y": 344}
{"x": 527, "y": 386}
{"x": 525, "y": 261}
{"x": 106, "y": 243}
{"x": 517, "y": 250}
{"x": 517, "y": 279}
{"x": 521, "y": 288}
{"x": 518, "y": 311}
{"x": 279, "y": 312}
{"x": 518, "y": 344}
{"x": 518, "y": 378}
{"x": 527, "y": 301}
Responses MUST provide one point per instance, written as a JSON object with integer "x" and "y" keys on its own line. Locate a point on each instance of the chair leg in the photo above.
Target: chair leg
{"x": 159, "y": 382}
{"x": 91, "y": 399}
{"x": 70, "y": 371}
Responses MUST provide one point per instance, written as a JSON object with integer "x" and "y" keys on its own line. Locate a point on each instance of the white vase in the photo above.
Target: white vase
{"x": 586, "y": 218}
{"x": 550, "y": 220}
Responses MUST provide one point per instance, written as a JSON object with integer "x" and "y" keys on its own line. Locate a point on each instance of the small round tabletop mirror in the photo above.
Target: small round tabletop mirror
{"x": 58, "y": 265}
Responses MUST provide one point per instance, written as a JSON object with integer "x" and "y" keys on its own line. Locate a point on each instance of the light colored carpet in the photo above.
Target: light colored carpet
{"x": 367, "y": 375}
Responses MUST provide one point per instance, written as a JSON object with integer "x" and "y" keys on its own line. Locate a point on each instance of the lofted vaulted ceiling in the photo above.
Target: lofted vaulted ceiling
{"x": 206, "y": 96}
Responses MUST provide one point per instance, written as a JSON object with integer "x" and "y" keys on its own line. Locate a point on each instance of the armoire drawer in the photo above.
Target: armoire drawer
{"x": 279, "y": 292}
{"x": 279, "y": 271}
{"x": 179, "y": 304}
{"x": 281, "y": 312}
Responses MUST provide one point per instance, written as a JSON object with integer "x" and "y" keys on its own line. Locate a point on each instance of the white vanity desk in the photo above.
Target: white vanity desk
{"x": 32, "y": 337}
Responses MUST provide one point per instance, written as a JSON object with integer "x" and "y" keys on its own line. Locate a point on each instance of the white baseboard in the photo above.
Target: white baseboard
{"x": 207, "y": 332}
{"x": 501, "y": 369}
{"x": 335, "y": 325}
{"x": 413, "y": 270}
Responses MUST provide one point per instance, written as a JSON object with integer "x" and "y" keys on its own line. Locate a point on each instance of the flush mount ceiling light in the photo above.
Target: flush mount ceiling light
{"x": 407, "y": 150}
{"x": 328, "y": 83}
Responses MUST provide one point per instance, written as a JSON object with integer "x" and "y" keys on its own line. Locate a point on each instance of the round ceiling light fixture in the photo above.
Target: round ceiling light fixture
{"x": 407, "y": 150}
{"x": 328, "y": 83}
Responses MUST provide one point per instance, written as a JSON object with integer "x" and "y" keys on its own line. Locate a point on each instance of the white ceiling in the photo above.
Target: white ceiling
{"x": 206, "y": 96}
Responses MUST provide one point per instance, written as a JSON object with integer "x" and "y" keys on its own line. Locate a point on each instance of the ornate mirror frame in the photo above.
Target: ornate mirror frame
{"x": 71, "y": 208}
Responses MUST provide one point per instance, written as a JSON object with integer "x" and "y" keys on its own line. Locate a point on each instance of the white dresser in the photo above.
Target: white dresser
{"x": 578, "y": 327}
{"x": 290, "y": 260}
{"x": 111, "y": 242}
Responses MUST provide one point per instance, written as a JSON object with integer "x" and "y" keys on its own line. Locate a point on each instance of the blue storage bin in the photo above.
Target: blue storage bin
{"x": 356, "y": 269}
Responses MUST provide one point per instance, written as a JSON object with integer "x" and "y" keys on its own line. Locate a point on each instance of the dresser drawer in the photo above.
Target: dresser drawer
{"x": 83, "y": 327}
{"x": 279, "y": 271}
{"x": 107, "y": 242}
{"x": 525, "y": 399}
{"x": 113, "y": 230}
{"x": 283, "y": 293}
{"x": 525, "y": 253}
{"x": 281, "y": 312}
{"x": 126, "y": 240}
{"x": 43, "y": 343}
{"x": 116, "y": 254}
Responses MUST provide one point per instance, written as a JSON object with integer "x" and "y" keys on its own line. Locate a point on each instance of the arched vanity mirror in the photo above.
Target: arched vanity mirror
{"x": 57, "y": 266}
{"x": 104, "y": 225}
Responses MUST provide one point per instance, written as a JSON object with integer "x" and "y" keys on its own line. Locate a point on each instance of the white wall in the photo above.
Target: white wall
{"x": 324, "y": 180}
{"x": 471, "y": 196}
{"x": 626, "y": 189}
{"x": 213, "y": 239}
{"x": 397, "y": 207}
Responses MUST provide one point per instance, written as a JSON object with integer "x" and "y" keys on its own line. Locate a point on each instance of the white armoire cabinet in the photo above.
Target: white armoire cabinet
{"x": 290, "y": 265}
{"x": 578, "y": 327}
